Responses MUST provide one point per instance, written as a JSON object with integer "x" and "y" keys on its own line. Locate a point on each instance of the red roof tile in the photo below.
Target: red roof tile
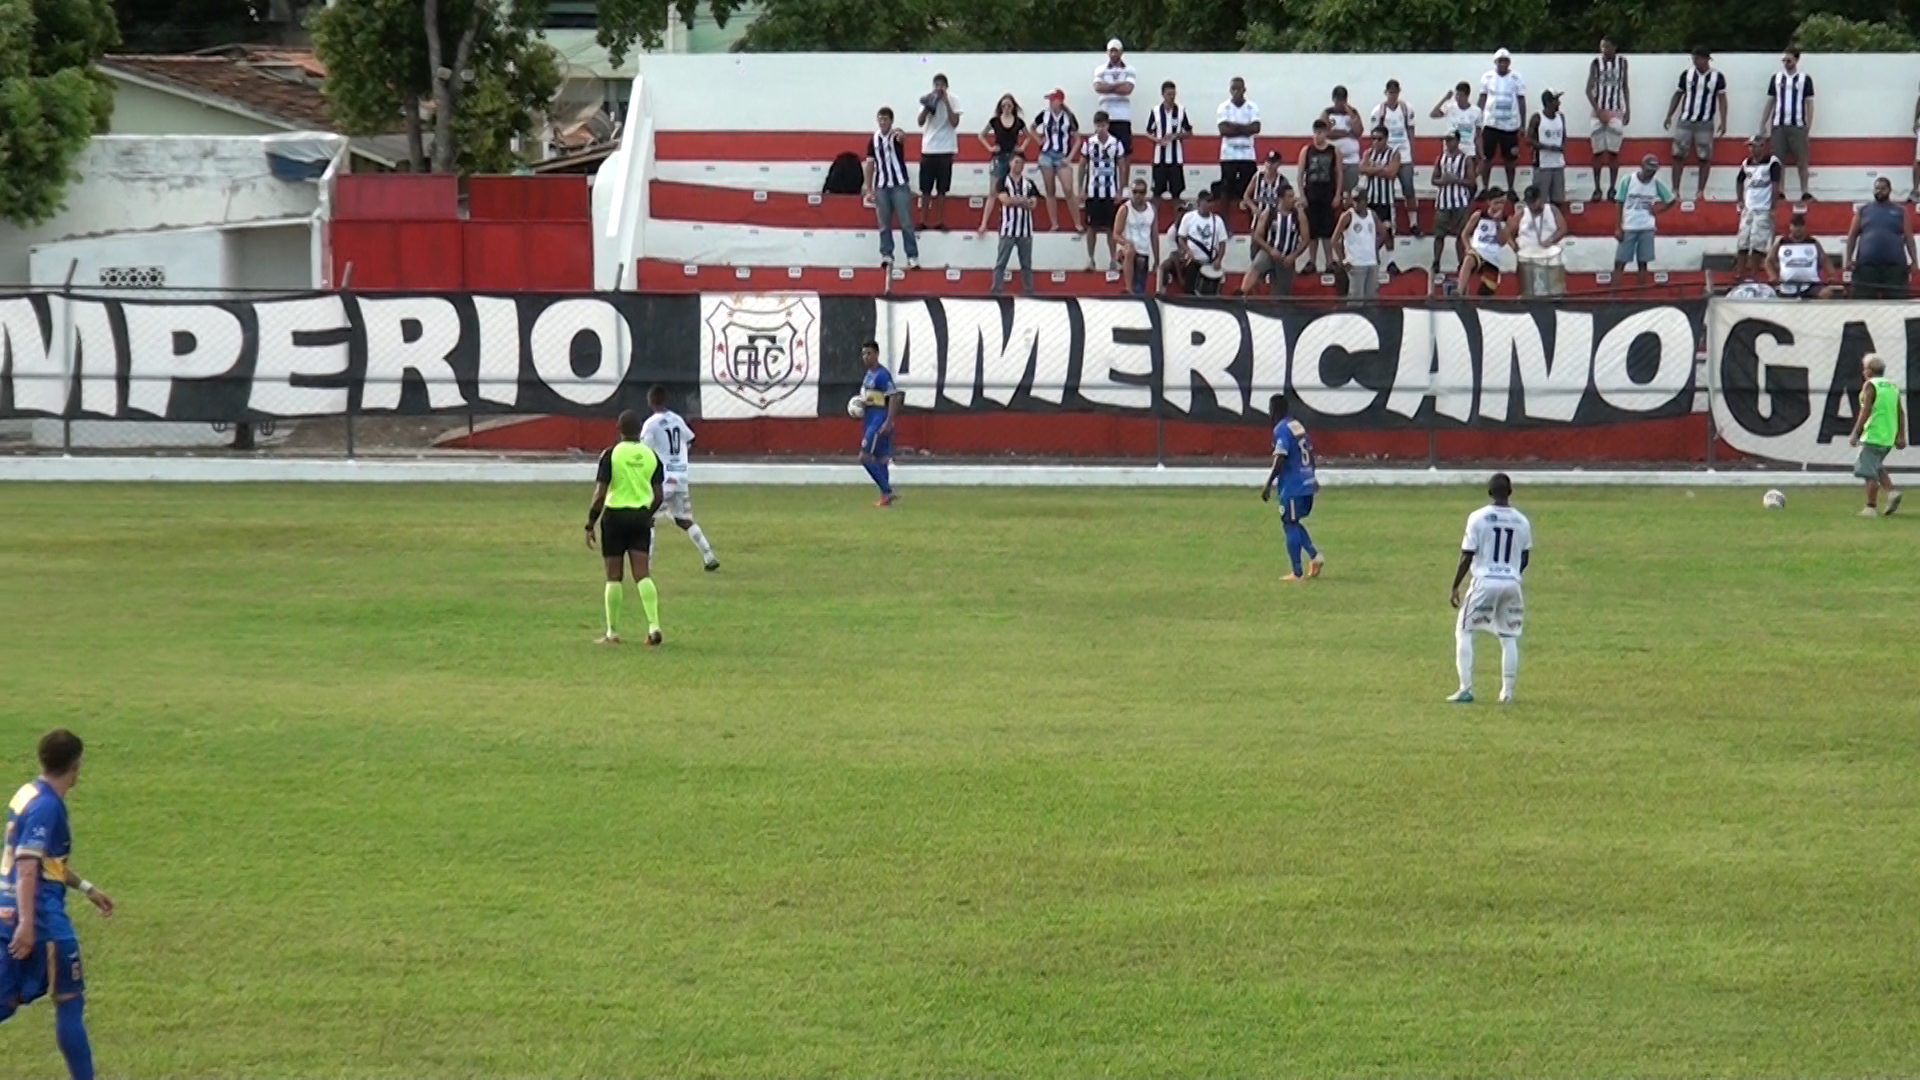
{"x": 281, "y": 83}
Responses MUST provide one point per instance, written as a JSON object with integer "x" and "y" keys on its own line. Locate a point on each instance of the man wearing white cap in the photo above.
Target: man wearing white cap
{"x": 1503, "y": 98}
{"x": 1113, "y": 81}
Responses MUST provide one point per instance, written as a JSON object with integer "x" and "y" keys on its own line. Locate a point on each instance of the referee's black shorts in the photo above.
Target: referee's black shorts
{"x": 625, "y": 530}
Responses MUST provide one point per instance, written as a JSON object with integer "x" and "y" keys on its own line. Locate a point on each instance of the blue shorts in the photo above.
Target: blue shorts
{"x": 54, "y": 968}
{"x": 876, "y": 445}
{"x": 1635, "y": 247}
{"x": 1295, "y": 509}
{"x": 1051, "y": 160}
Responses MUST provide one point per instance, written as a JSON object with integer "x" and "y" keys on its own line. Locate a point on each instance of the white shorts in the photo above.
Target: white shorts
{"x": 678, "y": 503}
{"x": 1756, "y": 231}
{"x": 1609, "y": 136}
{"x": 1494, "y": 606}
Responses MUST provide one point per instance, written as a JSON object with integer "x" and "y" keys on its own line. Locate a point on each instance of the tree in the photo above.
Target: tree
{"x": 173, "y": 26}
{"x": 1837, "y": 33}
{"x": 51, "y": 100}
{"x": 479, "y": 65}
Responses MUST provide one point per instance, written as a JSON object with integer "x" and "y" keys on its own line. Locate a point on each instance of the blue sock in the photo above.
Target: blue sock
{"x": 70, "y": 1031}
{"x": 883, "y": 475}
{"x": 1294, "y": 533}
{"x": 1306, "y": 543}
{"x": 873, "y": 473}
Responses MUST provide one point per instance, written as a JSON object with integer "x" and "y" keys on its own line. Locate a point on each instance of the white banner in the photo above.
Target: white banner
{"x": 1785, "y": 375}
{"x": 759, "y": 356}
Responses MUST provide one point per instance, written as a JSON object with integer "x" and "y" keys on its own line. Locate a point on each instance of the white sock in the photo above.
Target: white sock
{"x": 700, "y": 541}
{"x": 1509, "y": 664}
{"x": 1463, "y": 657}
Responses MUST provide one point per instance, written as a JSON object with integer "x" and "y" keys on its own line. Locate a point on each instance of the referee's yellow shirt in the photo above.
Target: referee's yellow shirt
{"x": 628, "y": 469}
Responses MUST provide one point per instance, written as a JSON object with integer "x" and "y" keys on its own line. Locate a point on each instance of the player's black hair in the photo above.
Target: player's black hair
{"x": 1277, "y": 406}
{"x": 1501, "y": 486}
{"x": 870, "y": 344}
{"x": 656, "y": 395}
{"x": 629, "y": 424}
{"x": 59, "y": 751}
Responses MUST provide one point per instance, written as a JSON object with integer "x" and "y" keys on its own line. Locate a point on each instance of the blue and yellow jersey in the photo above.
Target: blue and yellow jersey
{"x": 1291, "y": 441}
{"x": 37, "y": 829}
{"x": 875, "y": 389}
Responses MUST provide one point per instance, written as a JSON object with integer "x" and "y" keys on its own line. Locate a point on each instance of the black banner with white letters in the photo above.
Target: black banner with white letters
{"x": 798, "y": 355}
{"x": 1786, "y": 375}
{"x": 1369, "y": 367}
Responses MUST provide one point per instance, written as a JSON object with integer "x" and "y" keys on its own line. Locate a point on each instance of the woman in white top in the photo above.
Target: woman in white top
{"x": 1344, "y": 124}
{"x": 1535, "y": 233}
{"x": 1486, "y": 238}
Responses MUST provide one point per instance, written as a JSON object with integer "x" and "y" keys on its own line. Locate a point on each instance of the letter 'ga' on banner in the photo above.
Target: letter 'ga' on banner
{"x": 1785, "y": 375}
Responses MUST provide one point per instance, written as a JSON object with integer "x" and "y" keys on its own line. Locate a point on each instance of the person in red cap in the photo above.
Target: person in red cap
{"x": 1053, "y": 135}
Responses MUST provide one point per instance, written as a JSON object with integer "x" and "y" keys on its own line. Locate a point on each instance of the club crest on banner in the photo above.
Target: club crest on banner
{"x": 759, "y": 355}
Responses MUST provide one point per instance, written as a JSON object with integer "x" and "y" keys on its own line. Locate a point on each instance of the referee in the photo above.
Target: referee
{"x": 628, "y": 490}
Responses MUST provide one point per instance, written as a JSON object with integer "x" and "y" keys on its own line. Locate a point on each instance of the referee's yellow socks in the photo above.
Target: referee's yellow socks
{"x": 616, "y": 592}
{"x": 650, "y": 599}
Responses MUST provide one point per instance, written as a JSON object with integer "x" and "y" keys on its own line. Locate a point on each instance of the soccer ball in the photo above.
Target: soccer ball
{"x": 857, "y": 407}
{"x": 1774, "y": 499}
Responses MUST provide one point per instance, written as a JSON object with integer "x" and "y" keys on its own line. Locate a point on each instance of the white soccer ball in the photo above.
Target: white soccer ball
{"x": 857, "y": 407}
{"x": 1774, "y": 499}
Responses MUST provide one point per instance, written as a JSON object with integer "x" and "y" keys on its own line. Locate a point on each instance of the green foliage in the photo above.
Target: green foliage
{"x": 172, "y": 26}
{"x": 378, "y": 67}
{"x": 627, "y": 23}
{"x": 1838, "y": 34}
{"x": 51, "y": 101}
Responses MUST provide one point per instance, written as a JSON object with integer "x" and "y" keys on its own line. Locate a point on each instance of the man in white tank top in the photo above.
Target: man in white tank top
{"x": 1356, "y": 243}
{"x": 1397, "y": 117}
{"x": 1547, "y": 131}
{"x": 1136, "y": 241}
{"x": 670, "y": 438}
{"x": 1756, "y": 187}
{"x": 1537, "y": 228}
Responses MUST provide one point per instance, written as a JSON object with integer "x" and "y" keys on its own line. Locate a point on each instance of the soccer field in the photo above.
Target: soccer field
{"x": 1031, "y": 782}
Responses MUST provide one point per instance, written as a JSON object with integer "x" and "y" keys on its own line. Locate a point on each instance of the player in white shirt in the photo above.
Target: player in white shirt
{"x": 1497, "y": 549}
{"x": 670, "y": 438}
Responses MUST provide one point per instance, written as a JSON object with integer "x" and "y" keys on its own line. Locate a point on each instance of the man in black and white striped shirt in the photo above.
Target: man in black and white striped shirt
{"x": 1453, "y": 178}
{"x": 889, "y": 191}
{"x": 1017, "y": 198}
{"x": 1789, "y": 115}
{"x": 1700, "y": 103}
{"x": 1169, "y": 127}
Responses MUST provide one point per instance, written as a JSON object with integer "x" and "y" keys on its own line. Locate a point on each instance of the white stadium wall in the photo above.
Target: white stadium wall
{"x": 1859, "y": 95}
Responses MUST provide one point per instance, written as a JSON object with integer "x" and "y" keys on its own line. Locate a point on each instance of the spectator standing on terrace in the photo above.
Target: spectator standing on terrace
{"x": 939, "y": 142}
{"x": 1139, "y": 245}
{"x": 1547, "y": 131}
{"x": 1536, "y": 232}
{"x": 1239, "y": 122}
{"x": 1357, "y": 240}
{"x": 1169, "y": 127}
{"x": 1319, "y": 172}
{"x": 1463, "y": 118}
{"x": 1611, "y": 102}
{"x": 1262, "y": 192}
{"x": 1700, "y": 104}
{"x": 1002, "y": 138}
{"x": 1756, "y": 187}
{"x": 1344, "y": 125}
{"x": 1789, "y": 115}
{"x": 1396, "y": 116}
{"x": 1279, "y": 239}
{"x": 1641, "y": 196}
{"x": 1913, "y": 195}
{"x": 888, "y": 189}
{"x": 1503, "y": 100}
{"x": 1053, "y": 133}
{"x": 1381, "y": 169}
{"x": 1100, "y": 186}
{"x": 1016, "y": 198}
{"x": 1452, "y": 197}
{"x": 1114, "y": 82}
{"x": 1880, "y": 247}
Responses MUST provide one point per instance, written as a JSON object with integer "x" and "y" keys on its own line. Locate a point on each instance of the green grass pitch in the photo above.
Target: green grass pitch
{"x": 996, "y": 782}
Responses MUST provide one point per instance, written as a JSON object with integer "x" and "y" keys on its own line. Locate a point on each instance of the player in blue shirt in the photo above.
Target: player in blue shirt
{"x": 43, "y": 955}
{"x": 1293, "y": 473}
{"x": 882, "y": 400}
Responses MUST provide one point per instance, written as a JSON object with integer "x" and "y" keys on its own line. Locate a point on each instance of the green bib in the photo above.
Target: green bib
{"x": 634, "y": 464}
{"x": 1883, "y": 424}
